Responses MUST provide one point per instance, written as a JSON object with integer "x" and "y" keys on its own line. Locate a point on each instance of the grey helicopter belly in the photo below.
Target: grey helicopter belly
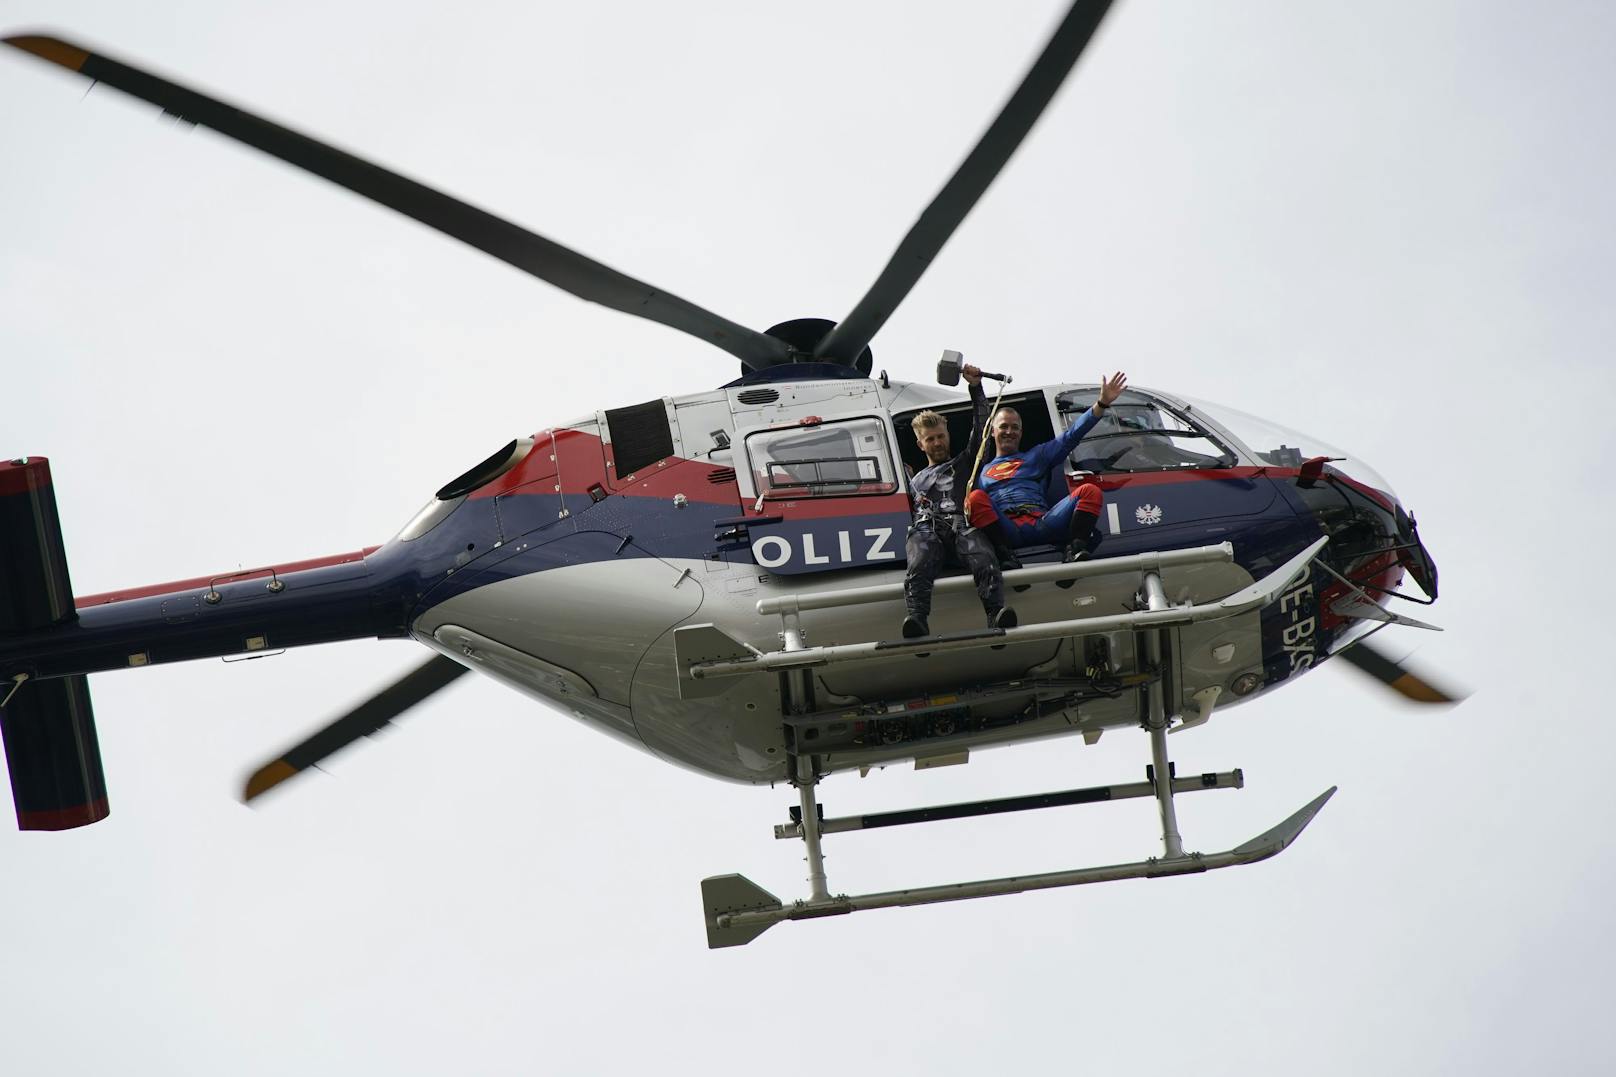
{"x": 572, "y": 637}
{"x": 597, "y": 640}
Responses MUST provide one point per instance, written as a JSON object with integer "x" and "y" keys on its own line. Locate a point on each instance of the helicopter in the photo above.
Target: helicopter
{"x": 729, "y": 561}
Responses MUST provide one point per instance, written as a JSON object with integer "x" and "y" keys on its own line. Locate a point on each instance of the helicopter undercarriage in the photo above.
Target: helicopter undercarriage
{"x": 737, "y": 910}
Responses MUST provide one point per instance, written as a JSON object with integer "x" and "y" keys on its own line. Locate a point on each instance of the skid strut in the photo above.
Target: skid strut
{"x": 1156, "y": 720}
{"x": 810, "y": 829}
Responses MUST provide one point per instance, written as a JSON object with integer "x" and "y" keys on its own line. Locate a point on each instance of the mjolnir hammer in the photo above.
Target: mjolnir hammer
{"x": 948, "y": 370}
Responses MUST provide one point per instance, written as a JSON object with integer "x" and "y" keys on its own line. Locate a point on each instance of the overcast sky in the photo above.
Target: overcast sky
{"x": 1386, "y": 224}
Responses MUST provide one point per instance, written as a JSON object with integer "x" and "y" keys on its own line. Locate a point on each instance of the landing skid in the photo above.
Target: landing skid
{"x": 739, "y": 910}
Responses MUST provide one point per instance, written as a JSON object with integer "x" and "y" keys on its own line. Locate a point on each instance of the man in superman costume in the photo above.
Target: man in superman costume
{"x": 1012, "y": 485}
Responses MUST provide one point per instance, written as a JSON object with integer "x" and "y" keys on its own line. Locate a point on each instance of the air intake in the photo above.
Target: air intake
{"x": 757, "y": 396}
{"x": 721, "y": 475}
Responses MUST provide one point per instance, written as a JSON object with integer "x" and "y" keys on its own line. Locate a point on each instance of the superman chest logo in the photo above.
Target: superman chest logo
{"x": 1002, "y": 470}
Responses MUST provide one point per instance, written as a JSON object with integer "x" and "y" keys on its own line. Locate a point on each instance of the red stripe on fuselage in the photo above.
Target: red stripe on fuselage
{"x": 828, "y": 507}
{"x": 227, "y": 577}
{"x": 1117, "y": 481}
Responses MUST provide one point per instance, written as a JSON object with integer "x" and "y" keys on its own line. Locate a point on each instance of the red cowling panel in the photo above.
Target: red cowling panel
{"x": 48, "y": 727}
{"x": 51, "y": 751}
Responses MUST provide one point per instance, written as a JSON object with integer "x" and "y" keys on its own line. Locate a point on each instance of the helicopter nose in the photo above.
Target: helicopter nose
{"x": 1373, "y": 538}
{"x": 1413, "y": 554}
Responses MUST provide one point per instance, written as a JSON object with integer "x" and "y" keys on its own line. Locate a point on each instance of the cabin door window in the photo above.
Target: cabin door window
{"x": 847, "y": 458}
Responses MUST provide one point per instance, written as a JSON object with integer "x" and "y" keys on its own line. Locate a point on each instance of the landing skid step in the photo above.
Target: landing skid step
{"x": 705, "y": 652}
{"x": 738, "y": 910}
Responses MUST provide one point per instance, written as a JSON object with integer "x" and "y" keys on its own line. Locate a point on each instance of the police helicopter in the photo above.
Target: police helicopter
{"x": 731, "y": 563}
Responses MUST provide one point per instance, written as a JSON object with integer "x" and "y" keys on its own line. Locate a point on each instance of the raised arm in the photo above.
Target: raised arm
{"x": 979, "y": 410}
{"x": 1110, "y": 389}
{"x": 1051, "y": 452}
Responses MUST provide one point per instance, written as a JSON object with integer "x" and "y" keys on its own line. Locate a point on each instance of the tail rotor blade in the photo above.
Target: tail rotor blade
{"x": 1395, "y": 675}
{"x": 549, "y": 261}
{"x": 436, "y": 673}
{"x": 967, "y": 185}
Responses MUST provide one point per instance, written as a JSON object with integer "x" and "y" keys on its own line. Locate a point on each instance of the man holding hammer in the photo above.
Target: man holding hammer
{"x": 940, "y": 530}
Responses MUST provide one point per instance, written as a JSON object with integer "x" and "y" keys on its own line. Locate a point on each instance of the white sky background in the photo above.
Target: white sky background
{"x": 1386, "y": 224}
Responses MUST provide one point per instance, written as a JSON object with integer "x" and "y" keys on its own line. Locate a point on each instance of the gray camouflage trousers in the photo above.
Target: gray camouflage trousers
{"x": 930, "y": 550}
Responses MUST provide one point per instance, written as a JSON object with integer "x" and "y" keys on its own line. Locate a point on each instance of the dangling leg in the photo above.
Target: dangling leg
{"x": 980, "y": 512}
{"x": 1082, "y": 532}
{"x": 1070, "y": 525}
{"x": 972, "y": 548}
{"x": 1081, "y": 509}
{"x": 925, "y": 555}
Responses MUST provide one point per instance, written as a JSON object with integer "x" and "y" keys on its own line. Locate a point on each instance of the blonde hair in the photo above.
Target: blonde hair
{"x": 925, "y": 421}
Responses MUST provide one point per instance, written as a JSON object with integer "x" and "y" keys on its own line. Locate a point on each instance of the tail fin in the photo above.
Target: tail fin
{"x": 48, "y": 726}
{"x": 53, "y": 756}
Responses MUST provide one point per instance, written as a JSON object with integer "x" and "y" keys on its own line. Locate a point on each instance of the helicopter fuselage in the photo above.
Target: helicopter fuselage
{"x": 564, "y": 565}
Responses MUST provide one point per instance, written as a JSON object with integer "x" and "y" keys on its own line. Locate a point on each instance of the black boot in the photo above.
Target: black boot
{"x": 1004, "y": 617}
{"x": 999, "y": 539}
{"x": 1077, "y": 542}
{"x": 914, "y": 626}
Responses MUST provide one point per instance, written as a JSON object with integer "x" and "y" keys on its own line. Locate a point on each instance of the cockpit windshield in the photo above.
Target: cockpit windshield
{"x": 1274, "y": 444}
{"x": 1139, "y": 433}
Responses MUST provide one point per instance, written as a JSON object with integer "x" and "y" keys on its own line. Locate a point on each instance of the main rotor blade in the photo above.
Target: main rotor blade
{"x": 967, "y": 185}
{"x": 543, "y": 258}
{"x": 1395, "y": 675}
{"x": 436, "y": 673}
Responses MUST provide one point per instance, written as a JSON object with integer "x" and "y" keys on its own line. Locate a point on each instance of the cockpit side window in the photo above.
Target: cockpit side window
{"x": 1139, "y": 433}
{"x": 834, "y": 459}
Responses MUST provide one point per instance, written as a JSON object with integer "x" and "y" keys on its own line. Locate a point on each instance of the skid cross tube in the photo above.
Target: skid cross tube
{"x": 1096, "y": 794}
